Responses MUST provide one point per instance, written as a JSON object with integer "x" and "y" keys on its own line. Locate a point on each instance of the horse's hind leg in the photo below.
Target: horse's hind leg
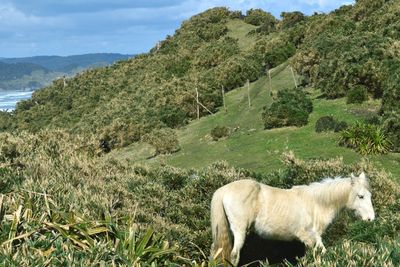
{"x": 239, "y": 235}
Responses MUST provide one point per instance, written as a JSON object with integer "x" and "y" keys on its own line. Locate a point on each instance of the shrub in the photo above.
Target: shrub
{"x": 292, "y": 108}
{"x": 391, "y": 94}
{"x": 391, "y": 128}
{"x": 219, "y": 132}
{"x": 164, "y": 140}
{"x": 357, "y": 95}
{"x": 119, "y": 134}
{"x": 173, "y": 116}
{"x": 373, "y": 119}
{"x": 259, "y": 17}
{"x": 365, "y": 139}
{"x": 5, "y": 120}
{"x": 329, "y": 123}
{"x": 290, "y": 19}
{"x": 279, "y": 54}
{"x": 235, "y": 71}
{"x": 325, "y": 124}
{"x": 340, "y": 126}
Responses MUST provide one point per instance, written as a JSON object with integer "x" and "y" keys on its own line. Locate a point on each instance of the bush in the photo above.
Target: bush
{"x": 219, "y": 132}
{"x": 292, "y": 108}
{"x": 259, "y": 17}
{"x": 391, "y": 128}
{"x": 119, "y": 134}
{"x": 164, "y": 140}
{"x": 325, "y": 124}
{"x": 235, "y": 71}
{"x": 279, "y": 54}
{"x": 5, "y": 120}
{"x": 373, "y": 119}
{"x": 340, "y": 126}
{"x": 366, "y": 139}
{"x": 357, "y": 95}
{"x": 290, "y": 19}
{"x": 329, "y": 123}
{"x": 391, "y": 94}
{"x": 173, "y": 116}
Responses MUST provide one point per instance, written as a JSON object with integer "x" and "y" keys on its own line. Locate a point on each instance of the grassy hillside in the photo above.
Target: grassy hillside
{"x": 250, "y": 146}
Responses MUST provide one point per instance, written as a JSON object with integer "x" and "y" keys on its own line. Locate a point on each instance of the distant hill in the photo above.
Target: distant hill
{"x": 69, "y": 63}
{"x": 39, "y": 71}
{"x": 10, "y": 71}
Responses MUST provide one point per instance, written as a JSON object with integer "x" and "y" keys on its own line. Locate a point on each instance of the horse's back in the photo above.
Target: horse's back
{"x": 240, "y": 189}
{"x": 240, "y": 199}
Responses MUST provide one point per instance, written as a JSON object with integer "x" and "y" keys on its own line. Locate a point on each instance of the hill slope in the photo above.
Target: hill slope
{"x": 251, "y": 147}
{"x": 337, "y": 53}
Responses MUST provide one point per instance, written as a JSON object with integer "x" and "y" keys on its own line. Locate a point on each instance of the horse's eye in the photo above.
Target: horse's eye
{"x": 360, "y": 196}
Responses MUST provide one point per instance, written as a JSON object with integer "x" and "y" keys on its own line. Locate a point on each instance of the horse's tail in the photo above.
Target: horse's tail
{"x": 222, "y": 238}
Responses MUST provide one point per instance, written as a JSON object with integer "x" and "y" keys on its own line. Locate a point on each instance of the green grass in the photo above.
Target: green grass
{"x": 254, "y": 148}
{"x": 238, "y": 29}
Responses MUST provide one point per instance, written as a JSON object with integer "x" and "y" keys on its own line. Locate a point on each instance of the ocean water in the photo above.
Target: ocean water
{"x": 9, "y": 99}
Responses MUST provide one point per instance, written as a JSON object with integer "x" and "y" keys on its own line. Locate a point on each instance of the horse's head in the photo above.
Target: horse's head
{"x": 360, "y": 198}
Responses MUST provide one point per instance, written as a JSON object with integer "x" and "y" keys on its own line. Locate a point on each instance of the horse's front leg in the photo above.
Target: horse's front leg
{"x": 319, "y": 244}
{"x": 312, "y": 239}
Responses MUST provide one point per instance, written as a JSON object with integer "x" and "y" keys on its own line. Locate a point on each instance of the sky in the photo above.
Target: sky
{"x": 71, "y": 27}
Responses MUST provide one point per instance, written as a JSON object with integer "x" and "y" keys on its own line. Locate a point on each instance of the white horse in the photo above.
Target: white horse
{"x": 302, "y": 212}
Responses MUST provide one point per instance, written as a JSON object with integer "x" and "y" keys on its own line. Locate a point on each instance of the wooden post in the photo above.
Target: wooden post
{"x": 270, "y": 81}
{"x": 223, "y": 98}
{"x": 248, "y": 91}
{"x": 197, "y": 102}
{"x": 294, "y": 78}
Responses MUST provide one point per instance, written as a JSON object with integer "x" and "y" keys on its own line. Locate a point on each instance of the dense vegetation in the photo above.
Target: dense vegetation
{"x": 157, "y": 89}
{"x": 64, "y": 201}
{"x": 291, "y": 108}
{"x": 62, "y": 204}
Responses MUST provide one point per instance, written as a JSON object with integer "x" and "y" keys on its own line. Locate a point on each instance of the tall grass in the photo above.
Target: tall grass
{"x": 65, "y": 204}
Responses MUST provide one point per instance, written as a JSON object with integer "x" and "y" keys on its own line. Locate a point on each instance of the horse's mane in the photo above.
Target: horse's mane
{"x": 329, "y": 190}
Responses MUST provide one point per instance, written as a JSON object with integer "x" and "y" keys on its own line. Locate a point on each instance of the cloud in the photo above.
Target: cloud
{"x": 10, "y": 16}
{"x": 32, "y": 27}
{"x": 52, "y": 7}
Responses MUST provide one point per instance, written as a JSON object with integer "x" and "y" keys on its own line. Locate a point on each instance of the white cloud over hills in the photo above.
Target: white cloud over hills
{"x": 81, "y": 26}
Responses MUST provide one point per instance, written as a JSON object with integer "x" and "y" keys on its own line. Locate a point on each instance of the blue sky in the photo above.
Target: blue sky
{"x": 69, "y": 27}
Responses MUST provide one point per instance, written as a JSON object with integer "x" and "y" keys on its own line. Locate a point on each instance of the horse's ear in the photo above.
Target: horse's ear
{"x": 353, "y": 178}
{"x": 363, "y": 176}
